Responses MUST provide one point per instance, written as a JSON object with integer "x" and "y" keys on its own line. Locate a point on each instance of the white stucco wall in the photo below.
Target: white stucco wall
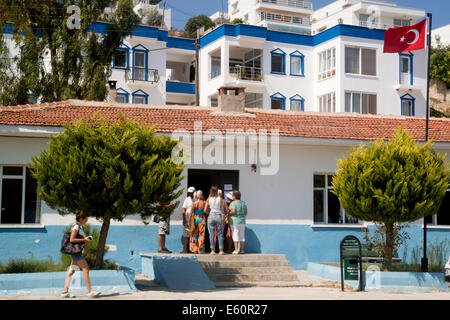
{"x": 284, "y": 198}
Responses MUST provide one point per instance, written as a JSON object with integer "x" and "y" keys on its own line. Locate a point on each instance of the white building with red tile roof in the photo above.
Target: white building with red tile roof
{"x": 285, "y": 183}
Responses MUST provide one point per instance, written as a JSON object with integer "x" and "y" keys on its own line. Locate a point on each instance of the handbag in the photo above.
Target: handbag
{"x": 192, "y": 228}
{"x": 68, "y": 247}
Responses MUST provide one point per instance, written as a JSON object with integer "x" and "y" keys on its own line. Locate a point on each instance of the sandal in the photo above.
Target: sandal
{"x": 221, "y": 253}
{"x": 235, "y": 252}
{"x": 212, "y": 253}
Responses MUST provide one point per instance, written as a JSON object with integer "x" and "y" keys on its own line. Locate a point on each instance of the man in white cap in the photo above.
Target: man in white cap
{"x": 186, "y": 210}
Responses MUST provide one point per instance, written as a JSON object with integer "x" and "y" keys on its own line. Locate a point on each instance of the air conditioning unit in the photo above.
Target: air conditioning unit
{"x": 340, "y": 21}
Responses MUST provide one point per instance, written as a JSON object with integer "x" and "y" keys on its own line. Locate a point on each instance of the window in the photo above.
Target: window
{"x": 278, "y": 61}
{"x": 253, "y": 100}
{"x": 215, "y": 67}
{"x": 360, "y": 61}
{"x": 297, "y": 103}
{"x": 122, "y": 95}
{"x": 406, "y": 68}
{"x": 246, "y": 17}
{"x": 297, "y": 63}
{"x": 407, "y": 105}
{"x": 363, "y": 19}
{"x": 404, "y": 64}
{"x": 443, "y": 215}
{"x": 327, "y": 209}
{"x": 361, "y": 102}
{"x": 19, "y": 202}
{"x": 140, "y": 97}
{"x": 327, "y": 63}
{"x": 214, "y": 101}
{"x": 401, "y": 22}
{"x": 327, "y": 102}
{"x": 120, "y": 59}
{"x": 278, "y": 101}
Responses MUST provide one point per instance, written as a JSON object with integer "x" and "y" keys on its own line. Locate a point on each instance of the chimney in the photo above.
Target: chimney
{"x": 231, "y": 100}
{"x": 112, "y": 91}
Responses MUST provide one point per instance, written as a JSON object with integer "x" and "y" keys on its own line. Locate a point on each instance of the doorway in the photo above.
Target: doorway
{"x": 203, "y": 179}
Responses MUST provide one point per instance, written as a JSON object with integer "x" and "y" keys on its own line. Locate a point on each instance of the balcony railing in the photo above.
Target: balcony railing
{"x": 247, "y": 73}
{"x": 265, "y": 16}
{"x": 290, "y": 3}
{"x": 384, "y": 26}
{"x": 141, "y": 74}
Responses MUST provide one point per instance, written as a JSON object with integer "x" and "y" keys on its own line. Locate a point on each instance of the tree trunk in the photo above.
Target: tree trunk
{"x": 102, "y": 244}
{"x": 388, "y": 249}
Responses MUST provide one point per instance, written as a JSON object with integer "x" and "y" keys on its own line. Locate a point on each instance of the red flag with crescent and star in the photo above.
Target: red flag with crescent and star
{"x": 404, "y": 39}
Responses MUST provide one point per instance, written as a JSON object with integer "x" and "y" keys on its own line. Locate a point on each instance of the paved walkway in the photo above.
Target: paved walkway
{"x": 314, "y": 289}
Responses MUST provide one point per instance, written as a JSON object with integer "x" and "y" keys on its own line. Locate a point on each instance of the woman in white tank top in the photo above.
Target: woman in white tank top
{"x": 215, "y": 219}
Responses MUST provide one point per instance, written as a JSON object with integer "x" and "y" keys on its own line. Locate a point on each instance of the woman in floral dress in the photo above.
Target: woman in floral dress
{"x": 197, "y": 241}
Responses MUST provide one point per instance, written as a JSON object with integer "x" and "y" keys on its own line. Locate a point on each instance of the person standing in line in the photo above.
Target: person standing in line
{"x": 78, "y": 260}
{"x": 238, "y": 212}
{"x": 186, "y": 211}
{"x": 215, "y": 219}
{"x": 197, "y": 241}
{"x": 227, "y": 229}
{"x": 163, "y": 230}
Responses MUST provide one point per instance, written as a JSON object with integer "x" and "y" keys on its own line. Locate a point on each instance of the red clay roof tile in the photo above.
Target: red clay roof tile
{"x": 289, "y": 123}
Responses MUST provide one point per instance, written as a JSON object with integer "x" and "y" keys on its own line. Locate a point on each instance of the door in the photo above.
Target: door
{"x": 225, "y": 180}
{"x": 139, "y": 66}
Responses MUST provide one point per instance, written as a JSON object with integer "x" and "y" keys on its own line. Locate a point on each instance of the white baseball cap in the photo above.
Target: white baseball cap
{"x": 229, "y": 195}
{"x": 191, "y": 189}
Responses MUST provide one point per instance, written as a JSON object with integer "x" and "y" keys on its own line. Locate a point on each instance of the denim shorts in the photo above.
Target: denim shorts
{"x": 77, "y": 257}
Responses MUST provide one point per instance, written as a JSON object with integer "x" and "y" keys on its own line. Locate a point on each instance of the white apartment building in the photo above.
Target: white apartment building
{"x": 342, "y": 69}
{"x": 365, "y": 13}
{"x": 282, "y": 15}
{"x": 440, "y": 36}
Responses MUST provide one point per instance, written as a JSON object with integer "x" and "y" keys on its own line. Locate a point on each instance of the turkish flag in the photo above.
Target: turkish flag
{"x": 403, "y": 39}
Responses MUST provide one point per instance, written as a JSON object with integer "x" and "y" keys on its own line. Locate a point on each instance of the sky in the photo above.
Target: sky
{"x": 182, "y": 10}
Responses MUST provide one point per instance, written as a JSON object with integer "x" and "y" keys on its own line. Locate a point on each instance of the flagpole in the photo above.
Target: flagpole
{"x": 424, "y": 261}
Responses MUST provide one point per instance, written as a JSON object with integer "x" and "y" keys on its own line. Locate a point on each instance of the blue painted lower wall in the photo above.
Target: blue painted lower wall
{"x": 300, "y": 243}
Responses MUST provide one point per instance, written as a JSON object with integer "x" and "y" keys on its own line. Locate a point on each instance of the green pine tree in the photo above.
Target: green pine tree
{"x": 109, "y": 170}
{"x": 57, "y": 63}
{"x": 389, "y": 182}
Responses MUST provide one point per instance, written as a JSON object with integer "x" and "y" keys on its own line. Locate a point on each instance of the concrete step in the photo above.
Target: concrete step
{"x": 249, "y": 270}
{"x": 272, "y": 284}
{"x": 248, "y": 277}
{"x": 244, "y": 263}
{"x": 240, "y": 257}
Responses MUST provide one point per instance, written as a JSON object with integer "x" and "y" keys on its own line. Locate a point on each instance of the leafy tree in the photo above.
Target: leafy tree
{"x": 57, "y": 63}
{"x": 109, "y": 170}
{"x": 392, "y": 182}
{"x": 440, "y": 64}
{"x": 196, "y": 23}
{"x": 237, "y": 21}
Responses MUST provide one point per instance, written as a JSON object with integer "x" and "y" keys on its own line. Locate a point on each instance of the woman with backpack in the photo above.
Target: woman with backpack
{"x": 78, "y": 261}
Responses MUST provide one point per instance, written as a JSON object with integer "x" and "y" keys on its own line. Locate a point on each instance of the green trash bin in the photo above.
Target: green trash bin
{"x": 351, "y": 269}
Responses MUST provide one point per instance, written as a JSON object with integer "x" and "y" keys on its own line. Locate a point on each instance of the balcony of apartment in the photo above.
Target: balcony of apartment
{"x": 180, "y": 86}
{"x": 141, "y": 76}
{"x": 292, "y": 6}
{"x": 243, "y": 68}
{"x": 282, "y": 22}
